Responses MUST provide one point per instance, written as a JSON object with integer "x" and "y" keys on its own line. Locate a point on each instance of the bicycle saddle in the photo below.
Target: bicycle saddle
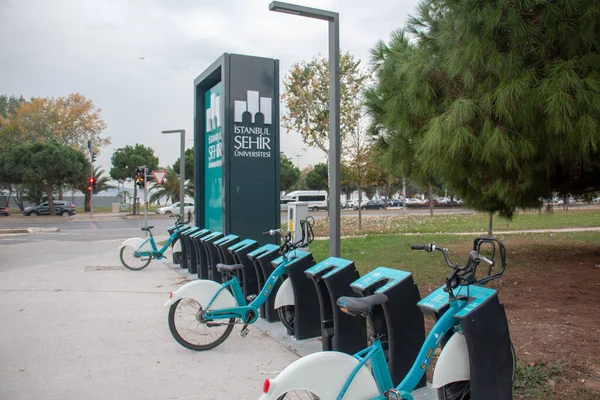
{"x": 148, "y": 228}
{"x": 360, "y": 305}
{"x": 229, "y": 269}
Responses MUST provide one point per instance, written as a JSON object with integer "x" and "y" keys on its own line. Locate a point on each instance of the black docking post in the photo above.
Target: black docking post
{"x": 246, "y": 276}
{"x": 259, "y": 257}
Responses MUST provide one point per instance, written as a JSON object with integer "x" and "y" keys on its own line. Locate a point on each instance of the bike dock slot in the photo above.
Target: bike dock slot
{"x": 212, "y": 255}
{"x": 399, "y": 319}
{"x": 201, "y": 260}
{"x": 259, "y": 257}
{"x": 307, "y": 321}
{"x": 339, "y": 331}
{"x": 181, "y": 257}
{"x": 247, "y": 276}
{"x": 486, "y": 332}
{"x": 189, "y": 251}
{"x": 222, "y": 244}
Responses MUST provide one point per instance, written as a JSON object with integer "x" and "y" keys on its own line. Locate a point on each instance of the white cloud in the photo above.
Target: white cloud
{"x": 52, "y": 48}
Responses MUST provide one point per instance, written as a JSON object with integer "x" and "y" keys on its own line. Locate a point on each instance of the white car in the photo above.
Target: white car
{"x": 174, "y": 208}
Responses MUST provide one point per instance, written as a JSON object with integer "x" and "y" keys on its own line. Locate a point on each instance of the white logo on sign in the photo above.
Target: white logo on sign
{"x": 213, "y": 113}
{"x": 253, "y": 105}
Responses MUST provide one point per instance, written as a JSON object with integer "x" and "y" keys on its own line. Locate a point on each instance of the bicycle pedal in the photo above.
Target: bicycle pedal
{"x": 250, "y": 298}
{"x": 244, "y": 332}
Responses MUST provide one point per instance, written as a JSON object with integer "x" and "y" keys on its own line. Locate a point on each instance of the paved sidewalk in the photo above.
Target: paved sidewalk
{"x": 76, "y": 324}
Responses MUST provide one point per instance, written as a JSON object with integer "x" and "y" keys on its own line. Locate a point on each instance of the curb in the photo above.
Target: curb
{"x": 27, "y": 230}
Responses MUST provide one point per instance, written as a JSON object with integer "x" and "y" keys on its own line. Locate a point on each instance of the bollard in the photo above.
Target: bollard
{"x": 339, "y": 331}
{"x": 399, "y": 319}
{"x": 247, "y": 276}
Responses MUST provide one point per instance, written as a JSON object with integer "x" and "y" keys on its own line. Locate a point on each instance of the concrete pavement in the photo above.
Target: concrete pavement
{"x": 76, "y": 324}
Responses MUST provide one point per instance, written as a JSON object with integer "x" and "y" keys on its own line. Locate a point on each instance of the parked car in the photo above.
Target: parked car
{"x": 352, "y": 204}
{"x": 174, "y": 208}
{"x": 4, "y": 211}
{"x": 395, "y": 203}
{"x": 63, "y": 208}
{"x": 373, "y": 205}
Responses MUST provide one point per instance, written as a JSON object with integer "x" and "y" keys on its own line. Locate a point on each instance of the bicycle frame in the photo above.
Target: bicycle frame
{"x": 243, "y": 308}
{"x": 155, "y": 251}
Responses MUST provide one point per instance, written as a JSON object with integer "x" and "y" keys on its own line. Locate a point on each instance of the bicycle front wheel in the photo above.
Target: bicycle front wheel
{"x": 287, "y": 314}
{"x": 299, "y": 394}
{"x": 190, "y": 331}
{"x": 131, "y": 261}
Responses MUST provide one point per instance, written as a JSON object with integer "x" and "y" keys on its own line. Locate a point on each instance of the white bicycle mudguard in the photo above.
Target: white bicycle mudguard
{"x": 177, "y": 246}
{"x": 285, "y": 295}
{"x": 136, "y": 242}
{"x": 203, "y": 291}
{"x": 453, "y": 363}
{"x": 325, "y": 374}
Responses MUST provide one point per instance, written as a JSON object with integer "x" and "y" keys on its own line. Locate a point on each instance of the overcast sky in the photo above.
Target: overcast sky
{"x": 55, "y": 47}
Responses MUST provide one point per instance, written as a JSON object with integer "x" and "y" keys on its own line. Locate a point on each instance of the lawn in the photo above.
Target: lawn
{"x": 451, "y": 223}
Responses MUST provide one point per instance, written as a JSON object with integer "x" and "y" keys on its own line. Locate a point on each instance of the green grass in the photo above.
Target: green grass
{"x": 450, "y": 223}
{"x": 393, "y": 251}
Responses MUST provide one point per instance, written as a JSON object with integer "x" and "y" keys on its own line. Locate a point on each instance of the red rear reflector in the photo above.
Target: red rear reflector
{"x": 171, "y": 295}
{"x": 266, "y": 386}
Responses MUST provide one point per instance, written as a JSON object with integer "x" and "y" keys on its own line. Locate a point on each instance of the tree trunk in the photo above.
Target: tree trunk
{"x": 10, "y": 189}
{"x": 490, "y": 222}
{"x": 430, "y": 194}
{"x": 18, "y": 197}
{"x": 60, "y": 192}
{"x": 404, "y": 195}
{"x": 87, "y": 201}
{"x": 566, "y": 203}
{"x": 49, "y": 188}
{"x": 359, "y": 207}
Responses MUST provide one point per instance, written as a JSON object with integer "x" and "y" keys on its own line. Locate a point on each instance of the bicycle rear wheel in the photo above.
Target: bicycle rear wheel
{"x": 299, "y": 394}
{"x": 190, "y": 331}
{"x": 131, "y": 261}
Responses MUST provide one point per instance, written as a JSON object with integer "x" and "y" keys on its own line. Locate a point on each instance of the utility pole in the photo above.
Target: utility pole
{"x": 91, "y": 176}
{"x": 146, "y": 198}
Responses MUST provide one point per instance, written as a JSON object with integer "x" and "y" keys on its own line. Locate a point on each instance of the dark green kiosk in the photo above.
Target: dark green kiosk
{"x": 236, "y": 136}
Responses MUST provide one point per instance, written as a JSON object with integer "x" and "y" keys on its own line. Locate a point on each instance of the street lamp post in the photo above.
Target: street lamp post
{"x": 181, "y": 170}
{"x": 334, "y": 111}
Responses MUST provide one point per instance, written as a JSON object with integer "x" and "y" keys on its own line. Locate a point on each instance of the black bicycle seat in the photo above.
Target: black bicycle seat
{"x": 148, "y": 228}
{"x": 229, "y": 269}
{"x": 360, "y": 305}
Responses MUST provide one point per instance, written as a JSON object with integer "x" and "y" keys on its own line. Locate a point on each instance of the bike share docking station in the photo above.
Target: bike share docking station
{"x": 399, "y": 319}
{"x": 188, "y": 260}
{"x": 261, "y": 259}
{"x": 177, "y": 245}
{"x": 247, "y": 275}
{"x": 199, "y": 251}
{"x": 339, "y": 331}
{"x": 224, "y": 257}
{"x": 212, "y": 256}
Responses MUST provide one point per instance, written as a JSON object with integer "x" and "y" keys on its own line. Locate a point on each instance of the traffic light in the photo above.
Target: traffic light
{"x": 139, "y": 177}
{"x": 92, "y": 185}
{"x": 93, "y": 156}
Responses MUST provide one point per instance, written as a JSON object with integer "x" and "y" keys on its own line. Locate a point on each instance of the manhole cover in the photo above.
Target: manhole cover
{"x": 103, "y": 268}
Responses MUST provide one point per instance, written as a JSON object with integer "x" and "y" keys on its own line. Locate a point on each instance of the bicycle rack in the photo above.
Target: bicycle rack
{"x": 259, "y": 257}
{"x": 201, "y": 261}
{"x": 307, "y": 321}
{"x": 399, "y": 319}
{"x": 339, "y": 331}
{"x": 176, "y": 254}
{"x": 184, "y": 248}
{"x": 246, "y": 276}
{"x": 222, "y": 244}
{"x": 189, "y": 254}
{"x": 212, "y": 255}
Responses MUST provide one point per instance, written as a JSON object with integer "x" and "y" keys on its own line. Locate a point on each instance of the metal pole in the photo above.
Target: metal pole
{"x": 91, "y": 191}
{"x": 334, "y": 136}
{"x": 145, "y": 199}
{"x": 182, "y": 175}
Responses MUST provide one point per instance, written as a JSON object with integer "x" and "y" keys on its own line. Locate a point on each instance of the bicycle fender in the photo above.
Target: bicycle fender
{"x": 203, "y": 291}
{"x": 453, "y": 363}
{"x": 136, "y": 242}
{"x": 177, "y": 246}
{"x": 325, "y": 374}
{"x": 285, "y": 295}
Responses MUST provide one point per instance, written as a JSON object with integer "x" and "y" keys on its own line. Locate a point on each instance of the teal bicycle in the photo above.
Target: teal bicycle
{"x": 365, "y": 375}
{"x": 136, "y": 253}
{"x": 202, "y": 313}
